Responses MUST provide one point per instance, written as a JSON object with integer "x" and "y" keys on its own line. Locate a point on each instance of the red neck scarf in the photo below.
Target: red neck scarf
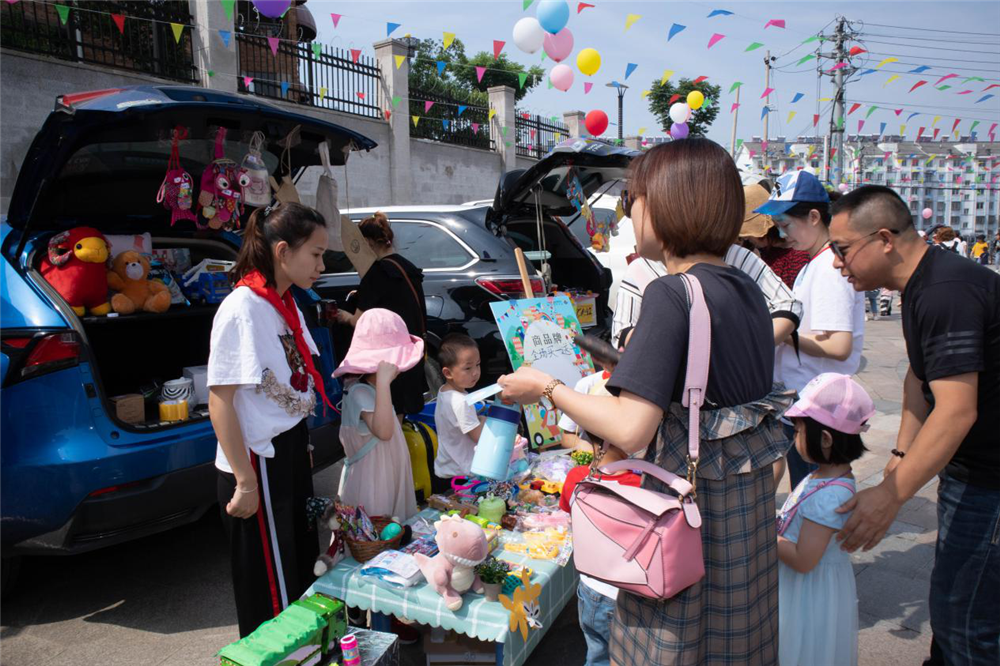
{"x": 289, "y": 312}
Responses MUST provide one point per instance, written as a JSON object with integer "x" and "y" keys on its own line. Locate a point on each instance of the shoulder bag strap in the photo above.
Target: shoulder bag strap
{"x": 416, "y": 297}
{"x": 787, "y": 520}
{"x": 696, "y": 379}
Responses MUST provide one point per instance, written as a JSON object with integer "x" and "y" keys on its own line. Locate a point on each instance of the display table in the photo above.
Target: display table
{"x": 478, "y": 618}
{"x": 377, "y": 648}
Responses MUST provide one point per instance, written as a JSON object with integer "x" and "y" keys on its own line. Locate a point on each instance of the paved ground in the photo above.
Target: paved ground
{"x": 167, "y": 600}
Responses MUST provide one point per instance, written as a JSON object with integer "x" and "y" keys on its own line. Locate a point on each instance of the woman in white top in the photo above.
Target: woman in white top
{"x": 831, "y": 333}
{"x": 262, "y": 386}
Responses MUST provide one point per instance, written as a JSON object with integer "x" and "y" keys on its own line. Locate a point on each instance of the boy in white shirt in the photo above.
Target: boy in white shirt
{"x": 458, "y": 426}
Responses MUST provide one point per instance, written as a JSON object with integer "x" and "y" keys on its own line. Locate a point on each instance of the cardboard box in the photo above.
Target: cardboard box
{"x": 198, "y": 374}
{"x": 129, "y": 408}
{"x": 458, "y": 650}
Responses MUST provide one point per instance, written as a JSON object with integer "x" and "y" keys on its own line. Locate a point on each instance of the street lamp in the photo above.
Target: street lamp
{"x": 621, "y": 95}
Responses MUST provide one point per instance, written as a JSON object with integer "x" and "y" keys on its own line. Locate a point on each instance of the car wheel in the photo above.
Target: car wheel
{"x": 9, "y": 568}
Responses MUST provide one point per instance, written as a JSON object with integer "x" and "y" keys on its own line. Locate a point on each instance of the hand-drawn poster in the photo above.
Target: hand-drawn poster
{"x": 538, "y": 332}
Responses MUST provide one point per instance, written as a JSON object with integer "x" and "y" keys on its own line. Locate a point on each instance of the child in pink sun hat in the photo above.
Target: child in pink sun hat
{"x": 817, "y": 597}
{"x": 377, "y": 473}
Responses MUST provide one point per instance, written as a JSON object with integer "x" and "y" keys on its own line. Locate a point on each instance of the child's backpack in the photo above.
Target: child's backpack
{"x": 221, "y": 200}
{"x": 177, "y": 189}
{"x": 422, "y": 443}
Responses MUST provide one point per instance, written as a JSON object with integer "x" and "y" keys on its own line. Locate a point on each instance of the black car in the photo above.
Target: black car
{"x": 467, "y": 252}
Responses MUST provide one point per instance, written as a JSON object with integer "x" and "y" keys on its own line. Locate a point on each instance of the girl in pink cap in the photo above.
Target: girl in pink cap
{"x": 376, "y": 472}
{"x": 817, "y": 598}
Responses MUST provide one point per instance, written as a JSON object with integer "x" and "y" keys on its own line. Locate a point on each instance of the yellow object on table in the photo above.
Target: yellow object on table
{"x": 174, "y": 411}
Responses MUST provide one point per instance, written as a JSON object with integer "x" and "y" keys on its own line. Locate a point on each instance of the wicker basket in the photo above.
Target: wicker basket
{"x": 362, "y": 551}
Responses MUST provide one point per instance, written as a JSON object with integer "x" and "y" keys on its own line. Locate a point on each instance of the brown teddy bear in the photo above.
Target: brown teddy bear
{"x": 128, "y": 277}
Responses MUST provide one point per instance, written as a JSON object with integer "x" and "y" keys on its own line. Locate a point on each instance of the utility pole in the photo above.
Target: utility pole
{"x": 767, "y": 116}
{"x": 736, "y": 115}
{"x": 841, "y": 72}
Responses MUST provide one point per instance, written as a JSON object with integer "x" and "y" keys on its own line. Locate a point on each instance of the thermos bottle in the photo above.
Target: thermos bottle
{"x": 496, "y": 443}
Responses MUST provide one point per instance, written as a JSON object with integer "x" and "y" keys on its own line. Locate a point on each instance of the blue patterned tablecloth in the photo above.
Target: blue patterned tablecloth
{"x": 478, "y": 618}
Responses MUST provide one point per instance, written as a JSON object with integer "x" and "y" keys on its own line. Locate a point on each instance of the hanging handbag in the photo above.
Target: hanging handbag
{"x": 221, "y": 200}
{"x": 253, "y": 174}
{"x": 177, "y": 189}
{"x": 640, "y": 540}
{"x": 326, "y": 200}
{"x": 285, "y": 191}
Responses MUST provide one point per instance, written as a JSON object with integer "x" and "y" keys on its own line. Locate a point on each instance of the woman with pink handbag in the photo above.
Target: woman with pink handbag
{"x": 694, "y": 550}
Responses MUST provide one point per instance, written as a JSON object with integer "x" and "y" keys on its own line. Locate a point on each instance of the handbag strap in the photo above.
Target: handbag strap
{"x": 696, "y": 378}
{"x": 413, "y": 290}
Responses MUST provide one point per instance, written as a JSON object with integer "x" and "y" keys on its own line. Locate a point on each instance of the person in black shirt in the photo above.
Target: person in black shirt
{"x": 395, "y": 284}
{"x": 950, "y": 419}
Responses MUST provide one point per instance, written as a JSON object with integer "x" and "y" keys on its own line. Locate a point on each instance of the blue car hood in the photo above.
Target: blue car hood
{"x": 97, "y": 129}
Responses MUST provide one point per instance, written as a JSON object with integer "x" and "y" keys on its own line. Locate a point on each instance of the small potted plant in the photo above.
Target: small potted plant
{"x": 493, "y": 573}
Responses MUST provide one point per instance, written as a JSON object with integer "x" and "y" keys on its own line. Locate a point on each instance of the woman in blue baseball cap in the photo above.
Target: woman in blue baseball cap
{"x": 831, "y": 332}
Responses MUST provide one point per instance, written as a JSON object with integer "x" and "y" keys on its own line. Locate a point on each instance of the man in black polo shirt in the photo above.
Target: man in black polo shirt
{"x": 951, "y": 413}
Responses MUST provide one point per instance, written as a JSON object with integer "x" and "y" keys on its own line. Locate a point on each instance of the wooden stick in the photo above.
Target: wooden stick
{"x": 522, "y": 268}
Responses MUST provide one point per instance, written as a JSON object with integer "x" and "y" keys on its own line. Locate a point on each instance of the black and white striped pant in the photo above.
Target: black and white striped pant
{"x": 272, "y": 553}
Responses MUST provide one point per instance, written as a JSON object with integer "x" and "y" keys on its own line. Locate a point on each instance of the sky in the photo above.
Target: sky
{"x": 960, "y": 38}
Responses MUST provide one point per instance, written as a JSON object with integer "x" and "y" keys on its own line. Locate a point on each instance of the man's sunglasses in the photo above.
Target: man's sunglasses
{"x": 841, "y": 253}
{"x": 626, "y": 200}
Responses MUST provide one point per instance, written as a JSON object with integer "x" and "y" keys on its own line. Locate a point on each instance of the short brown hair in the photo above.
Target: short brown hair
{"x": 377, "y": 229}
{"x": 451, "y": 346}
{"x": 693, "y": 195}
{"x": 945, "y": 234}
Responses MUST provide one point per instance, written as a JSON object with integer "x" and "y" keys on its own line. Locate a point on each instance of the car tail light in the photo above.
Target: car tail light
{"x": 42, "y": 353}
{"x": 68, "y": 101}
{"x": 509, "y": 286}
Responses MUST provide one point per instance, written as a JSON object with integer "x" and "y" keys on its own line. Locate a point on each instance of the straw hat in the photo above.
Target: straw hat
{"x": 755, "y": 225}
{"x": 380, "y": 335}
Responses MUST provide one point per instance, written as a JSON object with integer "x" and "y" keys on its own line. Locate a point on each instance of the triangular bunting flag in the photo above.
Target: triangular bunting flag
{"x": 984, "y": 98}
{"x": 388, "y": 114}
{"x": 317, "y": 49}
{"x": 777, "y": 23}
{"x": 247, "y": 80}
{"x": 673, "y": 98}
{"x": 891, "y": 79}
{"x": 764, "y": 111}
{"x": 396, "y": 99}
{"x": 674, "y": 29}
{"x": 886, "y": 61}
{"x": 767, "y": 91}
{"x": 937, "y": 130}
{"x": 526, "y": 4}
{"x": 629, "y": 68}
{"x": 872, "y": 110}
{"x": 225, "y": 36}
{"x": 791, "y": 114}
{"x": 493, "y": 112}
{"x": 497, "y": 48}
{"x": 854, "y": 107}
{"x": 449, "y": 39}
{"x": 427, "y": 106}
{"x": 521, "y": 78}
{"x": 444, "y": 123}
{"x": 935, "y": 121}
{"x": 211, "y": 72}
{"x": 804, "y": 59}
{"x": 714, "y": 39}
{"x": 856, "y": 50}
{"x": 912, "y": 116}
{"x": 645, "y": 93}
{"x": 902, "y": 130}
{"x": 479, "y": 73}
{"x": 461, "y": 109}
{"x": 753, "y": 47}
{"x": 587, "y": 85}
{"x": 390, "y": 27}
{"x": 475, "y": 128}
{"x": 734, "y": 107}
{"x": 322, "y": 92}
{"x": 440, "y": 66}
{"x": 503, "y": 130}
{"x": 416, "y": 119}
{"x": 178, "y": 31}
{"x": 667, "y": 73}
{"x": 955, "y": 124}
{"x": 119, "y": 20}
{"x": 583, "y": 5}
{"x": 917, "y": 85}
{"x": 400, "y": 59}
{"x": 839, "y": 65}
{"x": 815, "y": 119}
{"x": 719, "y": 12}
{"x": 861, "y": 126}
{"x": 284, "y": 88}
{"x": 739, "y": 144}
{"x": 336, "y": 19}
{"x": 797, "y": 97}
{"x": 228, "y": 5}
{"x": 840, "y": 122}
{"x": 699, "y": 80}
{"x": 630, "y": 20}
{"x": 812, "y": 39}
{"x": 920, "y": 133}
{"x": 273, "y": 42}
{"x": 735, "y": 85}
{"x": 360, "y": 95}
{"x": 63, "y": 11}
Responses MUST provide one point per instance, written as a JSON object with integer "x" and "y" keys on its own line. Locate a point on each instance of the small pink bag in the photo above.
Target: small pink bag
{"x": 639, "y": 540}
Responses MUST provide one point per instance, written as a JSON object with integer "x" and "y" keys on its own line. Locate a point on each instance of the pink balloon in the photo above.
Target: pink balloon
{"x": 927, "y": 213}
{"x": 561, "y": 77}
{"x": 596, "y": 122}
{"x": 559, "y": 46}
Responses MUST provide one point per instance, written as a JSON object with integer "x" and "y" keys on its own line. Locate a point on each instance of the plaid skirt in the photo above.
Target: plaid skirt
{"x": 731, "y": 615}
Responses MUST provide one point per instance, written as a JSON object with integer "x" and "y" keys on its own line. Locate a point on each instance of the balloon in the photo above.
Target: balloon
{"x": 927, "y": 213}
{"x": 553, "y": 15}
{"x": 589, "y": 61}
{"x": 528, "y": 35}
{"x": 596, "y": 122}
{"x": 561, "y": 77}
{"x": 560, "y": 45}
{"x": 843, "y": 187}
{"x": 272, "y": 8}
{"x": 679, "y": 130}
{"x": 680, "y": 112}
{"x": 695, "y": 99}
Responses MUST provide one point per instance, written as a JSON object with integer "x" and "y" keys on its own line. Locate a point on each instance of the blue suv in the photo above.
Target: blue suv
{"x": 73, "y": 476}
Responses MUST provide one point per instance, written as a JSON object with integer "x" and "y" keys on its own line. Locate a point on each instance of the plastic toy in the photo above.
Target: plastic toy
{"x": 75, "y": 267}
{"x": 492, "y": 508}
{"x": 208, "y": 282}
{"x": 304, "y": 633}
{"x": 128, "y": 277}
{"x": 390, "y": 531}
{"x": 451, "y": 572}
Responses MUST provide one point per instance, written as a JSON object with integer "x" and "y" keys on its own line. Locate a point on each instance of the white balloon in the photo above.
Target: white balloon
{"x": 528, "y": 34}
{"x": 680, "y": 112}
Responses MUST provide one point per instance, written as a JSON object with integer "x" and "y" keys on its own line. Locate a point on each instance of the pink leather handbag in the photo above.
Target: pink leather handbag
{"x": 639, "y": 540}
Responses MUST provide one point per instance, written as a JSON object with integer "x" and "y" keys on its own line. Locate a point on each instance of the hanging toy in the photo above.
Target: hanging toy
{"x": 220, "y": 199}
{"x": 253, "y": 174}
{"x": 177, "y": 188}
{"x": 285, "y": 192}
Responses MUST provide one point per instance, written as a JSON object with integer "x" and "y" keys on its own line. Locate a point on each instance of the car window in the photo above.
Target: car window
{"x": 426, "y": 245}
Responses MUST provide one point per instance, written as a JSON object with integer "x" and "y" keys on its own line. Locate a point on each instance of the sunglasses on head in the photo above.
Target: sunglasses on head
{"x": 626, "y": 200}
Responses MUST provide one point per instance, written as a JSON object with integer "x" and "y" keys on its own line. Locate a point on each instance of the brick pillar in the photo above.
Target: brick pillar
{"x": 209, "y": 51}
{"x": 502, "y": 101}
{"x": 574, "y": 121}
{"x": 395, "y": 82}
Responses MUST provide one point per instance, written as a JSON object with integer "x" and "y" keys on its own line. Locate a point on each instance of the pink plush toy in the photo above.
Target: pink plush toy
{"x": 462, "y": 545}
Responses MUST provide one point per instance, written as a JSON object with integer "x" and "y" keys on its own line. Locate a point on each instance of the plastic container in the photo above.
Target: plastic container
{"x": 349, "y": 653}
{"x": 492, "y": 508}
{"x": 496, "y": 443}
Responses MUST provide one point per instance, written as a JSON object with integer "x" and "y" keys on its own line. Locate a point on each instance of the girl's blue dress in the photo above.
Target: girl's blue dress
{"x": 818, "y": 611}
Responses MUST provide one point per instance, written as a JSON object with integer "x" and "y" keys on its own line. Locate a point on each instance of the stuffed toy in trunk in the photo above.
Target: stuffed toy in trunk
{"x": 128, "y": 277}
{"x": 76, "y": 267}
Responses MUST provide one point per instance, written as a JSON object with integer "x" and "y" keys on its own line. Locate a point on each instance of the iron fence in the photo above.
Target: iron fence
{"x": 536, "y": 135}
{"x": 145, "y": 43}
{"x": 326, "y": 77}
{"x": 449, "y": 120}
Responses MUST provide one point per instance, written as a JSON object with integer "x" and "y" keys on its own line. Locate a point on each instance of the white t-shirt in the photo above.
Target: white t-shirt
{"x": 454, "y": 420}
{"x": 253, "y": 348}
{"x": 829, "y": 303}
{"x": 584, "y": 385}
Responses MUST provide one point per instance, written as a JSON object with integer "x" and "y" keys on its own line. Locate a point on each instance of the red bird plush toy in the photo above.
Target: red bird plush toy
{"x": 76, "y": 267}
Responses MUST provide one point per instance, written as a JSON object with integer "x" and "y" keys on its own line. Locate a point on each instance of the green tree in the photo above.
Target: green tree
{"x": 459, "y": 79}
{"x": 701, "y": 119}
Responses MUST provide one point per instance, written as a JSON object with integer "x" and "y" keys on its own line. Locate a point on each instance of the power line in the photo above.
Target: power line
{"x": 940, "y": 48}
{"x": 929, "y": 39}
{"x": 911, "y": 55}
{"x": 960, "y": 32}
